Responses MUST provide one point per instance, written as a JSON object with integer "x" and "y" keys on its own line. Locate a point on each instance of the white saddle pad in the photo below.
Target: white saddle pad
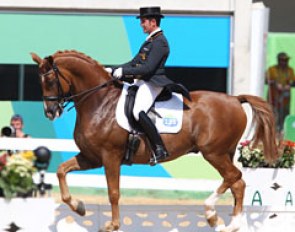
{"x": 171, "y": 112}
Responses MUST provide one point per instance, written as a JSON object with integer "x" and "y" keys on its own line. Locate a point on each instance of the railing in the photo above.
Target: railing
{"x": 32, "y": 143}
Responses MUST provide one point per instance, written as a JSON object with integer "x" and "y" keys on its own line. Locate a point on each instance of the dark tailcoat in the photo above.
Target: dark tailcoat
{"x": 149, "y": 64}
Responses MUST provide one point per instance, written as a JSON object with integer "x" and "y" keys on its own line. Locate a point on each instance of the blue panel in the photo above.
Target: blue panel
{"x": 64, "y": 126}
{"x": 134, "y": 170}
{"x": 194, "y": 41}
{"x": 135, "y": 33}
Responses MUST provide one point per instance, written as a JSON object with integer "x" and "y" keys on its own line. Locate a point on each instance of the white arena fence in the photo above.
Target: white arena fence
{"x": 32, "y": 143}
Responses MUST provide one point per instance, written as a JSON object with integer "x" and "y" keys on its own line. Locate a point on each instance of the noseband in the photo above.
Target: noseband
{"x": 63, "y": 98}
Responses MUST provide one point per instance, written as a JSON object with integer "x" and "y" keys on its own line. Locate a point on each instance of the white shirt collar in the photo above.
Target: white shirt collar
{"x": 154, "y": 32}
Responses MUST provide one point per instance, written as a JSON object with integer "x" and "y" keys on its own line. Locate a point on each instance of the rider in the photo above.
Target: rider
{"x": 147, "y": 71}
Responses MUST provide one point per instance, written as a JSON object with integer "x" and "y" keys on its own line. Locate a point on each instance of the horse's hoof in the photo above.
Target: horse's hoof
{"x": 109, "y": 228}
{"x": 106, "y": 230}
{"x": 223, "y": 228}
{"x": 229, "y": 230}
{"x": 220, "y": 228}
{"x": 81, "y": 209}
{"x": 212, "y": 220}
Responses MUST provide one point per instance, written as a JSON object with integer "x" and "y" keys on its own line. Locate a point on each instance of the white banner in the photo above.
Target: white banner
{"x": 67, "y": 145}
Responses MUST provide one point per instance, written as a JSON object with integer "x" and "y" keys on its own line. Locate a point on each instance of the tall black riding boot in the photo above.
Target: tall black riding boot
{"x": 160, "y": 152}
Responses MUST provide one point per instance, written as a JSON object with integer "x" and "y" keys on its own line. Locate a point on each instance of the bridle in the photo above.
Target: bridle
{"x": 62, "y": 98}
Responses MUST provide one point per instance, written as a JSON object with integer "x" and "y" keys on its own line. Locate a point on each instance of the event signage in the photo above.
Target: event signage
{"x": 269, "y": 187}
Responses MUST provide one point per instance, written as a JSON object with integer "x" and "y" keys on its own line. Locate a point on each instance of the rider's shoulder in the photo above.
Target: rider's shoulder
{"x": 161, "y": 41}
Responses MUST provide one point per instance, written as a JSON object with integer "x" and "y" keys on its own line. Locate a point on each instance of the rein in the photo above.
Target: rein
{"x": 62, "y": 98}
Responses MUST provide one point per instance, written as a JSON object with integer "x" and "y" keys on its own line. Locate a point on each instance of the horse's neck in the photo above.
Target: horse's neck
{"x": 86, "y": 74}
{"x": 101, "y": 104}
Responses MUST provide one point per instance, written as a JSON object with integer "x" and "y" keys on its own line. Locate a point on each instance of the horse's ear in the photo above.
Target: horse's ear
{"x": 36, "y": 58}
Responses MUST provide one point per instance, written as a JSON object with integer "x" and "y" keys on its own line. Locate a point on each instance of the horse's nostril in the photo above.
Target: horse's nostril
{"x": 53, "y": 111}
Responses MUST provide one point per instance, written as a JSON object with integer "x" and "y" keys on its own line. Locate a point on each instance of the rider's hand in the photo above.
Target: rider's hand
{"x": 109, "y": 70}
{"x": 118, "y": 73}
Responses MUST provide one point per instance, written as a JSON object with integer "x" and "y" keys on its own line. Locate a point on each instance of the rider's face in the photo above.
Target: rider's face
{"x": 148, "y": 25}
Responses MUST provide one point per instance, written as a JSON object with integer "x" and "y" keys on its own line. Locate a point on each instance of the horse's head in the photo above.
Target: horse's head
{"x": 66, "y": 76}
{"x": 54, "y": 86}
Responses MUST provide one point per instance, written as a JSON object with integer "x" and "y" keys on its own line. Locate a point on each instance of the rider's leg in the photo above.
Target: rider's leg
{"x": 154, "y": 138}
{"x": 145, "y": 97}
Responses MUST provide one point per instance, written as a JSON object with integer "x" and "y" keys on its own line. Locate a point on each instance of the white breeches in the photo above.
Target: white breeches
{"x": 145, "y": 97}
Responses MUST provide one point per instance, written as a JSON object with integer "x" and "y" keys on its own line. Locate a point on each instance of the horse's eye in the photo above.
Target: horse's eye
{"x": 48, "y": 79}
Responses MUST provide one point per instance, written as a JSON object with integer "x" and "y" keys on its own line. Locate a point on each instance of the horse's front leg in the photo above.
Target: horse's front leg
{"x": 112, "y": 170}
{"x": 76, "y": 163}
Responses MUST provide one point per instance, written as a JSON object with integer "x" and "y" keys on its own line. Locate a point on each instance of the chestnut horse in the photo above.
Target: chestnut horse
{"x": 213, "y": 125}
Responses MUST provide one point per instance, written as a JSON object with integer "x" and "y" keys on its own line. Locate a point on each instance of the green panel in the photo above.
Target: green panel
{"x": 6, "y": 111}
{"x": 292, "y": 101}
{"x": 102, "y": 37}
{"x": 280, "y": 42}
{"x": 289, "y": 128}
{"x": 56, "y": 160}
{"x": 191, "y": 167}
{"x": 265, "y": 92}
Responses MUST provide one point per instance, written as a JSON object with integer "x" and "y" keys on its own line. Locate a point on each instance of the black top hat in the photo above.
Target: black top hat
{"x": 150, "y": 11}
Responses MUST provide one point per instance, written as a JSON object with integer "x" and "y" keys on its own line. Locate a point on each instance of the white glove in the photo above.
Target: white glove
{"x": 109, "y": 70}
{"x": 118, "y": 73}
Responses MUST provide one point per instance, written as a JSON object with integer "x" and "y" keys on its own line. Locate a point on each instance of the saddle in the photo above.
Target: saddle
{"x": 165, "y": 95}
{"x": 166, "y": 113}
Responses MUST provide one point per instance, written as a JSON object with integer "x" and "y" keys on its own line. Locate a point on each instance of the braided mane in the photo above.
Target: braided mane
{"x": 76, "y": 54}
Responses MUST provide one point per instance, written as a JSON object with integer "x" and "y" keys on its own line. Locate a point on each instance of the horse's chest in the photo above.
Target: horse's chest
{"x": 91, "y": 137}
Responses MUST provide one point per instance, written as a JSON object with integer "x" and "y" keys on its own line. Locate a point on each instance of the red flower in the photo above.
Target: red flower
{"x": 245, "y": 143}
{"x": 288, "y": 143}
{"x": 3, "y": 160}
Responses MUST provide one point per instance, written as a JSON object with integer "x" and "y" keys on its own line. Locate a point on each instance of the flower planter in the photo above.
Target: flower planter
{"x": 30, "y": 214}
{"x": 269, "y": 186}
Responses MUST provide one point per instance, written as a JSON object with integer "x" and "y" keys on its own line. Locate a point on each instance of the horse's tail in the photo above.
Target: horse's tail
{"x": 265, "y": 126}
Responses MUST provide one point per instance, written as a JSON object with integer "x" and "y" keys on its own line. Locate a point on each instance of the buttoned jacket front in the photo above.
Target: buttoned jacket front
{"x": 149, "y": 63}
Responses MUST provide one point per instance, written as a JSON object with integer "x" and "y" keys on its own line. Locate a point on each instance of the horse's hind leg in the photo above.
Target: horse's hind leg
{"x": 233, "y": 180}
{"x": 238, "y": 190}
{"x": 76, "y": 163}
{"x": 210, "y": 212}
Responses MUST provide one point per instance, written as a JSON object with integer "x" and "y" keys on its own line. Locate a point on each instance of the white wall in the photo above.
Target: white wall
{"x": 121, "y": 5}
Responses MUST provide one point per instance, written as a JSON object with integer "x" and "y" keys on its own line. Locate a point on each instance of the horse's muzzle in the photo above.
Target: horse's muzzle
{"x": 53, "y": 111}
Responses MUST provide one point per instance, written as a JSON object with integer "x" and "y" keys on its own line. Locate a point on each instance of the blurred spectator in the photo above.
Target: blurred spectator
{"x": 280, "y": 77}
{"x": 17, "y": 123}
